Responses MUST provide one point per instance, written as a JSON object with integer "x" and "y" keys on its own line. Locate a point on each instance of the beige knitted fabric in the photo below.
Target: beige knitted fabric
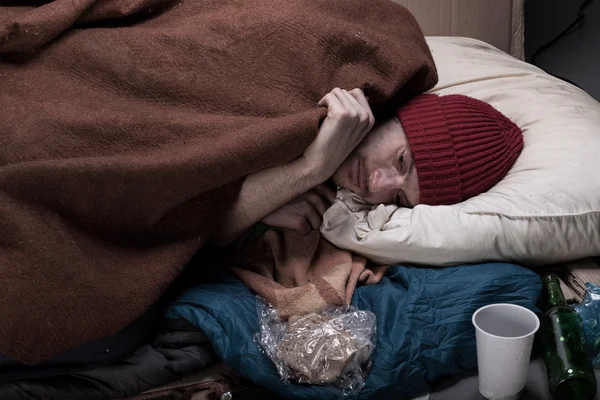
{"x": 301, "y": 274}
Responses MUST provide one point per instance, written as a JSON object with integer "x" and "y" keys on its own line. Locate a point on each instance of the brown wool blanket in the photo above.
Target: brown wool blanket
{"x": 127, "y": 127}
{"x": 301, "y": 274}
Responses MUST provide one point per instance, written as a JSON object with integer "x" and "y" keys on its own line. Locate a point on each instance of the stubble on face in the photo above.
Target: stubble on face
{"x": 380, "y": 149}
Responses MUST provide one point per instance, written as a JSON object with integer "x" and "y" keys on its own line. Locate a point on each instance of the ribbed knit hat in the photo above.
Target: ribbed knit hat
{"x": 461, "y": 146}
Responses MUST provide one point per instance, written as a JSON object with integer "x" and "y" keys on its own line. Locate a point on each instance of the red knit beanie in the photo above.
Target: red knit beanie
{"x": 461, "y": 146}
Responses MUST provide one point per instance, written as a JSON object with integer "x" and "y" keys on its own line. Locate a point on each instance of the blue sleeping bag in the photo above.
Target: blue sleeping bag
{"x": 423, "y": 322}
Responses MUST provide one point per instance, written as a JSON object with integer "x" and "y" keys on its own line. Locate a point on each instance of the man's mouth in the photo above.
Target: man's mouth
{"x": 358, "y": 176}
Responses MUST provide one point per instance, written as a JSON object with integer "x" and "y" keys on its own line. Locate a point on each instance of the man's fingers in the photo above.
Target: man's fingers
{"x": 327, "y": 100}
{"x": 344, "y": 99}
{"x": 310, "y": 214}
{"x": 319, "y": 203}
{"x": 335, "y": 108}
{"x": 355, "y": 104}
{"x": 360, "y": 97}
{"x": 326, "y": 192}
{"x": 314, "y": 219}
{"x": 305, "y": 229}
{"x": 299, "y": 224}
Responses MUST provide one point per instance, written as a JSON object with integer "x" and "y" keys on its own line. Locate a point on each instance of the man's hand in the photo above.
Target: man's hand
{"x": 305, "y": 213}
{"x": 348, "y": 120}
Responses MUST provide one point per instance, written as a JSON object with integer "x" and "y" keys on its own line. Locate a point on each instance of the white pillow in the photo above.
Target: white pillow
{"x": 546, "y": 210}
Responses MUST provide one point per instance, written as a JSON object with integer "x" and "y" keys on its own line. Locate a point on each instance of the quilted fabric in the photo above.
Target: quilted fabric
{"x": 423, "y": 322}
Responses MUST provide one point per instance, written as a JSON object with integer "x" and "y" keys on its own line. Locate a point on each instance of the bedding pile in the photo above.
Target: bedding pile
{"x": 177, "y": 350}
{"x": 127, "y": 127}
{"x": 301, "y": 274}
{"x": 546, "y": 210}
{"x": 424, "y": 329}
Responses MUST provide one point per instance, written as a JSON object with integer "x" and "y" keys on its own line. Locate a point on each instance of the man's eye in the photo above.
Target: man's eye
{"x": 402, "y": 161}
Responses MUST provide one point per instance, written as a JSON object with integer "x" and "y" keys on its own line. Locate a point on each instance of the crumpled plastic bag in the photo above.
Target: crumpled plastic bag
{"x": 333, "y": 347}
{"x": 589, "y": 311}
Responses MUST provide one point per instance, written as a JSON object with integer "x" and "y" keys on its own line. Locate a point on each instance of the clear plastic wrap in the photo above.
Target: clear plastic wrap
{"x": 333, "y": 347}
{"x": 589, "y": 311}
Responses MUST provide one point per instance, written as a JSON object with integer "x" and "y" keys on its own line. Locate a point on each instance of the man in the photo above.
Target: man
{"x": 436, "y": 150}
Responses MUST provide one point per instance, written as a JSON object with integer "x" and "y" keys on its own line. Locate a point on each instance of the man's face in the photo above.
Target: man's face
{"x": 381, "y": 169}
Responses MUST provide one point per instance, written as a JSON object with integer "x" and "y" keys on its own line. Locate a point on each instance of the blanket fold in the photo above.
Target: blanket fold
{"x": 424, "y": 327}
{"x": 128, "y": 126}
{"x": 301, "y": 274}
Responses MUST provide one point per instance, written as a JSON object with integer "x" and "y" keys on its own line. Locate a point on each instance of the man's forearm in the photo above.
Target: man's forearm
{"x": 348, "y": 120}
{"x": 264, "y": 192}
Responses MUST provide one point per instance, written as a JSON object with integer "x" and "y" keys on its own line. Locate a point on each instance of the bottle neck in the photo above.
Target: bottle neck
{"x": 553, "y": 294}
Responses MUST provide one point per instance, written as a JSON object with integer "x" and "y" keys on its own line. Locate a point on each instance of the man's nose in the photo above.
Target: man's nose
{"x": 382, "y": 179}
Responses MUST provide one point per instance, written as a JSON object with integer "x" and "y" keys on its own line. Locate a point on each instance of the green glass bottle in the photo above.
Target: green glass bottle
{"x": 570, "y": 372}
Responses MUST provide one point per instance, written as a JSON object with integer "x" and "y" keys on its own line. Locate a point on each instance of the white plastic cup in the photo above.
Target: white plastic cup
{"x": 504, "y": 334}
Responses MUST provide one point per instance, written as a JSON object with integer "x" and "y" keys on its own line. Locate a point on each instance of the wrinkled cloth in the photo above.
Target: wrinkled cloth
{"x": 589, "y": 311}
{"x": 301, "y": 274}
{"x": 128, "y": 126}
{"x": 212, "y": 383}
{"x": 95, "y": 354}
{"x": 177, "y": 351}
{"x": 424, "y": 329}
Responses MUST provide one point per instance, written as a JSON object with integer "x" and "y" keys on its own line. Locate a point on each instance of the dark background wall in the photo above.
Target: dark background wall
{"x": 576, "y": 56}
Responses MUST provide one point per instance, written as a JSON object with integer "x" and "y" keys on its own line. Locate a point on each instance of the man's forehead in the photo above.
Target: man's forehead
{"x": 393, "y": 126}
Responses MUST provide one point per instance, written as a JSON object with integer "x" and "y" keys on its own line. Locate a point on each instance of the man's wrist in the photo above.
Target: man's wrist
{"x": 265, "y": 191}
{"x": 313, "y": 173}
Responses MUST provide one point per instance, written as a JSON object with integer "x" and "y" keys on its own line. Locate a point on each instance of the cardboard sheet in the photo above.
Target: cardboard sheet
{"x": 574, "y": 275}
{"x": 497, "y": 22}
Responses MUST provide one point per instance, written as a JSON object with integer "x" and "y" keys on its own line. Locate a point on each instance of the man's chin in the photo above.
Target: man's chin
{"x": 339, "y": 181}
{"x": 362, "y": 197}
{"x": 336, "y": 179}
